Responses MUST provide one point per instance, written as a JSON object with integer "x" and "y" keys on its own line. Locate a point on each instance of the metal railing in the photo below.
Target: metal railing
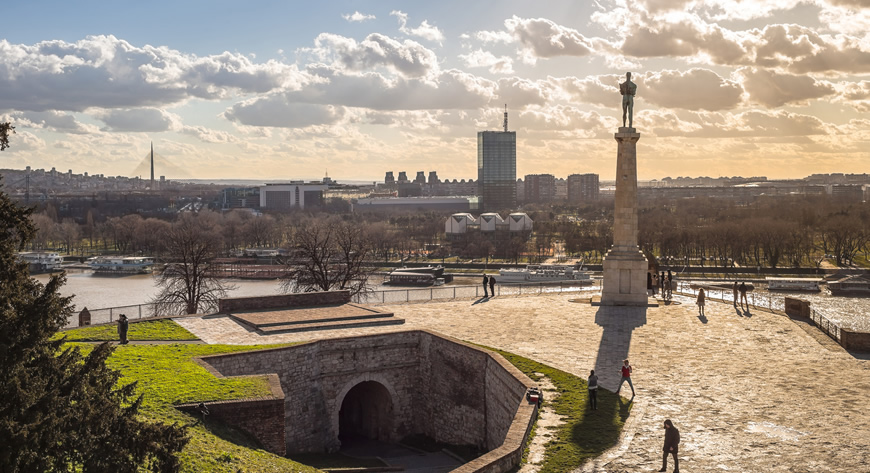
{"x": 758, "y": 300}
{"x": 111, "y": 314}
{"x": 825, "y": 324}
{"x": 397, "y": 296}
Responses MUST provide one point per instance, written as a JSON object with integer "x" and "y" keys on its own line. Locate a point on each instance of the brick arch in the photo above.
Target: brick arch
{"x": 339, "y": 399}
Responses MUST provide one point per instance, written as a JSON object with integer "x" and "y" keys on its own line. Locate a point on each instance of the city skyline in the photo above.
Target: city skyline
{"x": 290, "y": 89}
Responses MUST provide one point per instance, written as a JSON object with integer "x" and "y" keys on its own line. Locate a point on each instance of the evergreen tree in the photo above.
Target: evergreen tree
{"x": 61, "y": 410}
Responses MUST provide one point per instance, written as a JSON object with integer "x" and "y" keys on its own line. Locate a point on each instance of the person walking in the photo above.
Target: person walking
{"x": 672, "y": 443}
{"x": 662, "y": 284}
{"x": 123, "y": 325}
{"x": 670, "y": 284}
{"x": 743, "y": 294}
{"x": 485, "y": 282}
{"x": 655, "y": 283}
{"x": 701, "y": 298}
{"x": 736, "y": 288}
{"x": 492, "y": 286}
{"x": 592, "y": 384}
{"x": 626, "y": 376}
{"x": 648, "y": 284}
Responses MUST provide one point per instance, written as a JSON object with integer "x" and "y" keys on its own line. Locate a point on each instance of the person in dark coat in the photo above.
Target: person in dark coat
{"x": 492, "y": 286}
{"x": 592, "y": 384}
{"x": 485, "y": 282}
{"x": 670, "y": 284}
{"x": 123, "y": 324}
{"x": 672, "y": 442}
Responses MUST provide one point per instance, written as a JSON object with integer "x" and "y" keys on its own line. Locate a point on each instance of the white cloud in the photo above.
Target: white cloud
{"x": 539, "y": 38}
{"x": 481, "y": 58}
{"x": 103, "y": 71}
{"x": 425, "y": 30}
{"x": 357, "y": 17}
{"x": 408, "y": 58}
{"x": 753, "y": 123}
{"x": 147, "y": 119}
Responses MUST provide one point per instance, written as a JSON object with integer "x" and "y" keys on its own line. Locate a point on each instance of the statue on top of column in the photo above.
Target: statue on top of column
{"x": 627, "y": 89}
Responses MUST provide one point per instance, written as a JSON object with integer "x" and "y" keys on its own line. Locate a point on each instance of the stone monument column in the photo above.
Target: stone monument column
{"x": 625, "y": 267}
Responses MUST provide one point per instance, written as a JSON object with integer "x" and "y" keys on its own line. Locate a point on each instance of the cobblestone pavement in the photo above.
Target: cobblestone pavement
{"x": 749, "y": 392}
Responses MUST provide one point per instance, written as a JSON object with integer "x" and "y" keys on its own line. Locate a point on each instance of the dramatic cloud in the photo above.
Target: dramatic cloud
{"x": 695, "y": 89}
{"x": 774, "y": 89}
{"x": 518, "y": 92}
{"x": 481, "y": 58}
{"x": 452, "y": 89}
{"x": 425, "y": 30}
{"x": 357, "y": 17}
{"x": 138, "y": 120}
{"x": 408, "y": 58}
{"x": 103, "y": 71}
{"x": 802, "y": 50}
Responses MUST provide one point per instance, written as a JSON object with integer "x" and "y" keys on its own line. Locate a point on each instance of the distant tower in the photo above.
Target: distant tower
{"x": 497, "y": 168}
{"x": 152, "y": 165}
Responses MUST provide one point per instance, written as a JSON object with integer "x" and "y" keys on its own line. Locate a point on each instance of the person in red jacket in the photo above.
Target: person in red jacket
{"x": 672, "y": 442}
{"x": 626, "y": 376}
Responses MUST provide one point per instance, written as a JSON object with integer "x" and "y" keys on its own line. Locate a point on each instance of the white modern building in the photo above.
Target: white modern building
{"x": 490, "y": 222}
{"x": 287, "y": 196}
{"x": 519, "y": 222}
{"x": 458, "y": 223}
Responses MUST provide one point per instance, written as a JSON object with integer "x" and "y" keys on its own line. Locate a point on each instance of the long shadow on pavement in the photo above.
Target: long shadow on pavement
{"x": 618, "y": 324}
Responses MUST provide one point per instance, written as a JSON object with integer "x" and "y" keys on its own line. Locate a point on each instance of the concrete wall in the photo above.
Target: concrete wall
{"x": 451, "y": 391}
{"x": 283, "y": 301}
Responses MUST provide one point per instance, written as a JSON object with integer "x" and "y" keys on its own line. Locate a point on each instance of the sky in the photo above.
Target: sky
{"x": 298, "y": 89}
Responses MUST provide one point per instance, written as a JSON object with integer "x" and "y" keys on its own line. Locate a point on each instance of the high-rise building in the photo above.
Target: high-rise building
{"x": 433, "y": 178}
{"x": 582, "y": 187}
{"x": 539, "y": 188}
{"x": 389, "y": 179}
{"x": 497, "y": 168}
{"x": 421, "y": 178}
{"x": 403, "y": 177}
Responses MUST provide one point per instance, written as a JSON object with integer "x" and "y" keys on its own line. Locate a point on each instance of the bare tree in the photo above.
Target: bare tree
{"x": 187, "y": 285}
{"x": 328, "y": 255}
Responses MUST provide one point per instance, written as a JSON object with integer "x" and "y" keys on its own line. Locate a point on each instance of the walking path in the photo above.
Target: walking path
{"x": 753, "y": 392}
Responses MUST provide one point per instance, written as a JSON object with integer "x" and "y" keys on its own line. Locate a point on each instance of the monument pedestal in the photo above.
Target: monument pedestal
{"x": 625, "y": 267}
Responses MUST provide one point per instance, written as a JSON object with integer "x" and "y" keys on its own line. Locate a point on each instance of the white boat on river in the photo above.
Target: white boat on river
{"x": 543, "y": 273}
{"x": 121, "y": 265}
{"x": 794, "y": 284}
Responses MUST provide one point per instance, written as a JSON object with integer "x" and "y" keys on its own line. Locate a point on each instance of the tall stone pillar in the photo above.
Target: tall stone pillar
{"x": 625, "y": 267}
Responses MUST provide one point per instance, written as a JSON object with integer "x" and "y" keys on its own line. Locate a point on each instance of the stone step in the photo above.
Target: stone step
{"x": 330, "y": 325}
{"x": 324, "y": 319}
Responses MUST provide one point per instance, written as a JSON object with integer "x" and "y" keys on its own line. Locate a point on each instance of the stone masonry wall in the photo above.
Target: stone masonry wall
{"x": 283, "y": 301}
{"x": 454, "y": 409}
{"x": 262, "y": 418}
{"x": 448, "y": 390}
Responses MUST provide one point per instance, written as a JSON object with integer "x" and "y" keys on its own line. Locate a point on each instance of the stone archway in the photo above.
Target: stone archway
{"x": 366, "y": 412}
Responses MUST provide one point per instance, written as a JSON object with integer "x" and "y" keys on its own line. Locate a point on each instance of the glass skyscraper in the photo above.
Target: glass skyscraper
{"x": 497, "y": 169}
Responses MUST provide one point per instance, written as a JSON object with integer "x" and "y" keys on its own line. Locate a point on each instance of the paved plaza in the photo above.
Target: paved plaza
{"x": 749, "y": 392}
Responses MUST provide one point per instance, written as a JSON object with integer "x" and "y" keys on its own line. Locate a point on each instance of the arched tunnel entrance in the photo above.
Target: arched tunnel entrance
{"x": 366, "y": 413}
